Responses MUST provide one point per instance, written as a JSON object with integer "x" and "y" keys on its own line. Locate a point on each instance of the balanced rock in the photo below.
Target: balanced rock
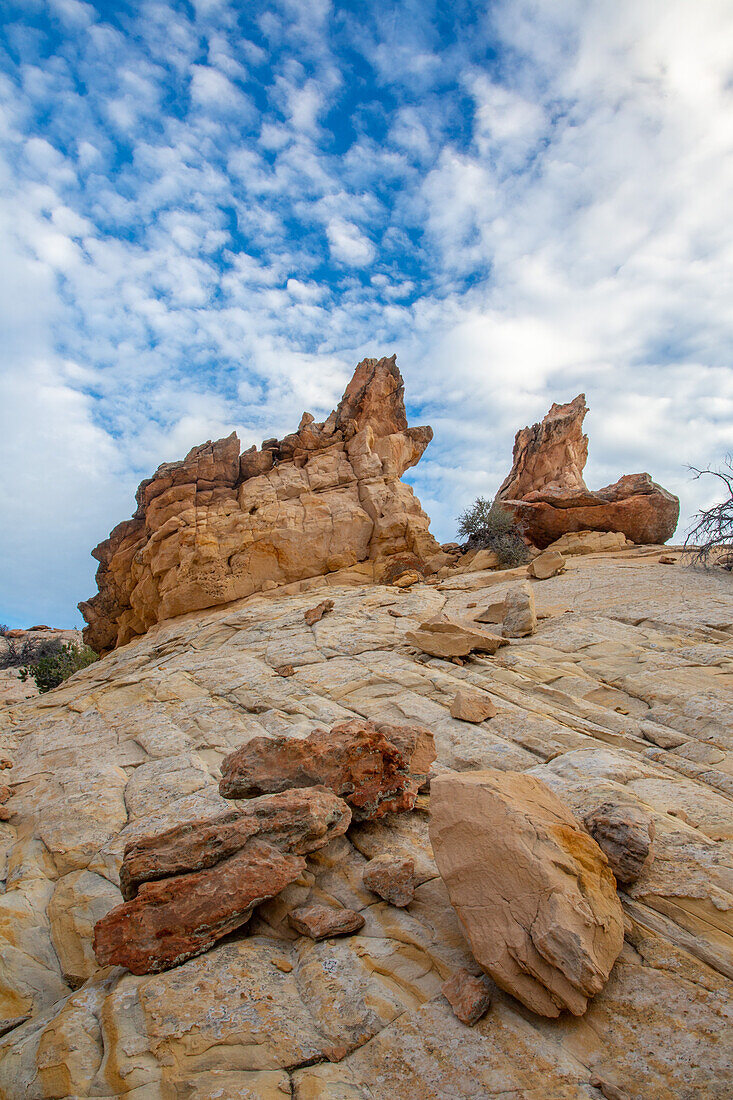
{"x": 219, "y": 526}
{"x": 547, "y": 564}
{"x": 468, "y": 995}
{"x": 197, "y": 882}
{"x": 533, "y": 891}
{"x": 392, "y": 878}
{"x": 446, "y": 638}
{"x": 320, "y": 921}
{"x": 470, "y": 706}
{"x": 376, "y": 770}
{"x": 546, "y": 492}
{"x": 520, "y": 616}
{"x": 625, "y": 833}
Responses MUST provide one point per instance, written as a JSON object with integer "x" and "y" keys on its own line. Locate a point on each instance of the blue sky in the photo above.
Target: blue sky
{"x": 212, "y": 210}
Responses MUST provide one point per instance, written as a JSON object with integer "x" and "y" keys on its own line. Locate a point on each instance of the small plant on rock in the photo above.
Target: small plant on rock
{"x": 57, "y": 662}
{"x": 710, "y": 539}
{"x": 488, "y": 526}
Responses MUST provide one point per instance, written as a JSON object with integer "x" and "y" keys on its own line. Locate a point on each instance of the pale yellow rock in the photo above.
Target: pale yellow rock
{"x": 79, "y": 900}
{"x": 547, "y": 564}
{"x": 590, "y": 542}
{"x": 533, "y": 891}
{"x": 445, "y": 638}
{"x": 520, "y": 616}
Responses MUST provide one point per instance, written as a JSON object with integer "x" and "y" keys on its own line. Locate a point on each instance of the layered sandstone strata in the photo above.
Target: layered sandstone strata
{"x": 545, "y": 488}
{"x": 219, "y": 526}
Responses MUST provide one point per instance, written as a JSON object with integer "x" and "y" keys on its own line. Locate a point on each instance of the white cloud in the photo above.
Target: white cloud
{"x": 348, "y": 244}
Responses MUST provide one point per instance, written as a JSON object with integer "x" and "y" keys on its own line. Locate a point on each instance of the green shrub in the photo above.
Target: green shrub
{"x": 57, "y": 663}
{"x": 488, "y": 526}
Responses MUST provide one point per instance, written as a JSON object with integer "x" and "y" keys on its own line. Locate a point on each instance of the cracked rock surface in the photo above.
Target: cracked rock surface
{"x": 628, "y": 698}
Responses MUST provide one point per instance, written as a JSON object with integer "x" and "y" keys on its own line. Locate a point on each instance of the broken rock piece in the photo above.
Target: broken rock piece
{"x": 315, "y": 614}
{"x": 470, "y": 706}
{"x": 520, "y": 616}
{"x": 197, "y": 882}
{"x": 547, "y": 564}
{"x": 320, "y": 921}
{"x": 5, "y": 793}
{"x": 446, "y": 638}
{"x": 468, "y": 996}
{"x": 377, "y": 771}
{"x": 533, "y": 891}
{"x": 625, "y": 834}
{"x": 392, "y": 878}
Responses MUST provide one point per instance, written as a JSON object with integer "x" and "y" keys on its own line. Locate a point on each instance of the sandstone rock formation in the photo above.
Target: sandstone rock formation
{"x": 392, "y": 878}
{"x": 468, "y": 995}
{"x": 533, "y": 892}
{"x": 545, "y": 565}
{"x": 470, "y": 706}
{"x": 197, "y": 882}
{"x": 545, "y": 488}
{"x": 377, "y": 771}
{"x": 625, "y": 834}
{"x": 132, "y": 746}
{"x": 219, "y": 525}
{"x": 320, "y": 921}
{"x": 575, "y": 543}
{"x": 448, "y": 638}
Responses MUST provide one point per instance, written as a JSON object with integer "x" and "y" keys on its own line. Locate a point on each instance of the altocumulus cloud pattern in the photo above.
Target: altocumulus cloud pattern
{"x": 211, "y": 210}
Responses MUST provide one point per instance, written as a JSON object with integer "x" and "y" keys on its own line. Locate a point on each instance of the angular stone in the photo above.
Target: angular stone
{"x": 199, "y": 881}
{"x": 444, "y": 638}
{"x": 546, "y": 492}
{"x": 315, "y": 614}
{"x": 520, "y": 616}
{"x": 392, "y": 878}
{"x": 494, "y": 613}
{"x": 406, "y": 580}
{"x": 284, "y": 670}
{"x": 533, "y": 891}
{"x": 580, "y": 543}
{"x": 625, "y": 833}
{"x": 372, "y": 769}
{"x": 547, "y": 564}
{"x": 469, "y": 706}
{"x": 468, "y": 996}
{"x": 320, "y": 921}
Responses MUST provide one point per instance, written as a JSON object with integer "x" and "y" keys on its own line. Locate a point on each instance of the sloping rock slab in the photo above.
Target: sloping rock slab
{"x": 376, "y": 770}
{"x": 533, "y": 891}
{"x": 200, "y": 881}
{"x": 445, "y": 638}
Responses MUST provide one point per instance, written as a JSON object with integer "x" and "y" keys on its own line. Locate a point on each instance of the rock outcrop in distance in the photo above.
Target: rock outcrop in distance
{"x": 219, "y": 526}
{"x": 545, "y": 488}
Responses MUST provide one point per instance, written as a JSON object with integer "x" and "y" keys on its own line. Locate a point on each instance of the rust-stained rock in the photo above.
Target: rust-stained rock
{"x": 468, "y": 995}
{"x": 546, "y": 492}
{"x": 625, "y": 833}
{"x": 392, "y": 878}
{"x": 533, "y": 891}
{"x": 320, "y": 921}
{"x": 194, "y": 883}
{"x": 5, "y": 793}
{"x": 377, "y": 771}
{"x": 314, "y": 614}
{"x": 219, "y": 526}
{"x": 284, "y": 670}
{"x": 446, "y": 638}
{"x": 471, "y": 706}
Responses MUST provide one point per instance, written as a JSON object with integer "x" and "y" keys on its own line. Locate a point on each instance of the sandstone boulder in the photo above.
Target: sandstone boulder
{"x": 546, "y": 492}
{"x": 219, "y": 526}
{"x": 194, "y": 883}
{"x": 533, "y": 891}
{"x": 547, "y": 564}
{"x": 468, "y": 995}
{"x": 447, "y": 638}
{"x": 377, "y": 771}
{"x": 578, "y": 543}
{"x": 321, "y": 921}
{"x": 625, "y": 833}
{"x": 470, "y": 706}
{"x": 392, "y": 878}
{"x": 520, "y": 615}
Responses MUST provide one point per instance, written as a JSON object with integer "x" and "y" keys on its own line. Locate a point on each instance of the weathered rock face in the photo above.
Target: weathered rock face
{"x": 520, "y": 615}
{"x": 546, "y": 491}
{"x": 219, "y": 526}
{"x": 533, "y": 891}
{"x": 625, "y": 834}
{"x": 199, "y": 881}
{"x": 377, "y": 771}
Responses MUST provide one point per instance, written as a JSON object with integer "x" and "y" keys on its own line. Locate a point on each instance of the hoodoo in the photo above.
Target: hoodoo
{"x": 545, "y": 488}
{"x": 219, "y": 526}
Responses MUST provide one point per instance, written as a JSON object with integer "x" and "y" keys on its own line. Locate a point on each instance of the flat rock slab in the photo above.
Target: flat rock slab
{"x": 445, "y": 638}
{"x": 199, "y": 881}
{"x": 376, "y": 770}
{"x": 533, "y": 891}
